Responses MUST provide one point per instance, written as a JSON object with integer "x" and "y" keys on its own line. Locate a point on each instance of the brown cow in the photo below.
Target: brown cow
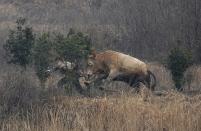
{"x": 119, "y": 66}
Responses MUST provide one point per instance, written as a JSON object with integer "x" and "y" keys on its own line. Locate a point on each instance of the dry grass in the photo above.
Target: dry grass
{"x": 26, "y": 107}
{"x": 192, "y": 78}
{"x": 175, "y": 112}
{"x": 163, "y": 76}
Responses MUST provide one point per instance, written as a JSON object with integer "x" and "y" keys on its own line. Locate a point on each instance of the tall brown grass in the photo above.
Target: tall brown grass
{"x": 24, "y": 106}
{"x": 163, "y": 76}
{"x": 192, "y": 78}
{"x": 175, "y": 112}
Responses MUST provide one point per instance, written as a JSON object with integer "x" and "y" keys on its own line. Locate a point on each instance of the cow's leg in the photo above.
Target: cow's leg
{"x": 132, "y": 80}
{"x": 112, "y": 75}
{"x": 136, "y": 85}
{"x": 148, "y": 81}
{"x": 136, "y": 82}
{"x": 100, "y": 82}
{"x": 102, "y": 76}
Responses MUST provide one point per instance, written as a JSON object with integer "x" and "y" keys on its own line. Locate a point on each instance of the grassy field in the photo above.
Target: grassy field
{"x": 173, "y": 112}
{"x": 24, "y": 106}
{"x": 145, "y": 29}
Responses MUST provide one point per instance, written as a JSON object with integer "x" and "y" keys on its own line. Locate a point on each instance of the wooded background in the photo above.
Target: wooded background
{"x": 146, "y": 29}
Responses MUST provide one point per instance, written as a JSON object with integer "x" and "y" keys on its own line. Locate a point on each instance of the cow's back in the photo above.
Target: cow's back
{"x": 126, "y": 63}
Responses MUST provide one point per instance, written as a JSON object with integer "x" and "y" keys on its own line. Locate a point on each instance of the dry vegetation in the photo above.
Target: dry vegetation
{"x": 130, "y": 113}
{"x": 192, "y": 78}
{"x": 26, "y": 107}
{"x": 144, "y": 29}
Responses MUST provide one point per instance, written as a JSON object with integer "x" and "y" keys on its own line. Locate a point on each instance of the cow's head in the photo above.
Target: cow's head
{"x": 91, "y": 64}
{"x": 94, "y": 65}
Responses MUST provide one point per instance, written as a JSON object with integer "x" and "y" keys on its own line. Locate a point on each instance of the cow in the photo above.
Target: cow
{"x": 119, "y": 67}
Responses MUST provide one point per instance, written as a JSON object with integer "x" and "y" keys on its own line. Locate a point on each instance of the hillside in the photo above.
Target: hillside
{"x": 45, "y": 93}
{"x": 145, "y": 29}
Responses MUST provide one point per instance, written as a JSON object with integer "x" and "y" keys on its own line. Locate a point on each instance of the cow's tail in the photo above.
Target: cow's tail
{"x": 152, "y": 87}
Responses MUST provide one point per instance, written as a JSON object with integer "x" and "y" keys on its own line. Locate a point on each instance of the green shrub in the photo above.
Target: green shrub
{"x": 42, "y": 56}
{"x": 74, "y": 47}
{"x": 23, "y": 48}
{"x": 178, "y": 61}
{"x": 19, "y": 44}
